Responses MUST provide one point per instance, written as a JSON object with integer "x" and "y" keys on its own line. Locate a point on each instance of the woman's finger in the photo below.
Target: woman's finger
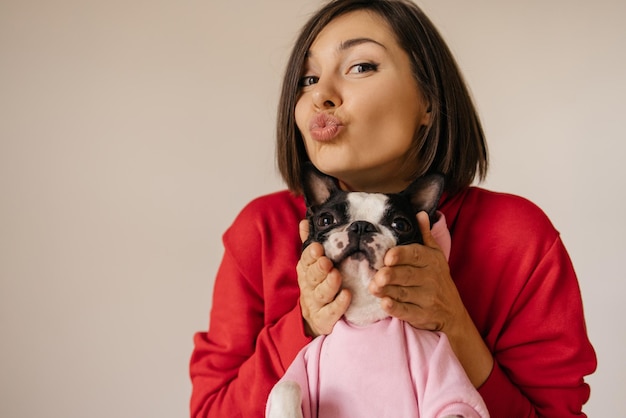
{"x": 413, "y": 314}
{"x": 423, "y": 221}
{"x": 402, "y": 275}
{"x": 335, "y": 309}
{"x": 303, "y": 229}
{"x": 416, "y": 255}
{"x": 327, "y": 290}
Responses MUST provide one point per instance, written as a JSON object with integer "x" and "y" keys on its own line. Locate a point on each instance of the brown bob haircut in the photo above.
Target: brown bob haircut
{"x": 453, "y": 144}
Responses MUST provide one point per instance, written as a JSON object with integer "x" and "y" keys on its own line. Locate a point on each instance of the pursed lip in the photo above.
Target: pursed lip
{"x": 325, "y": 127}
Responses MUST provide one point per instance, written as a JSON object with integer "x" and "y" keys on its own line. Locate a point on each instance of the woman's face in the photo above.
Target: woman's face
{"x": 359, "y": 106}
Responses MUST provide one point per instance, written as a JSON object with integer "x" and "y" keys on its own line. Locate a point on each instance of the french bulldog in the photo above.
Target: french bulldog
{"x": 356, "y": 229}
{"x": 328, "y": 378}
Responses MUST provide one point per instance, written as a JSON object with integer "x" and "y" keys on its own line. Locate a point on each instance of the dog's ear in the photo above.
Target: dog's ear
{"x": 424, "y": 194}
{"x": 318, "y": 187}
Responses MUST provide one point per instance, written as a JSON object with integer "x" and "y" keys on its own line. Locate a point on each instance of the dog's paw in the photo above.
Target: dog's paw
{"x": 285, "y": 401}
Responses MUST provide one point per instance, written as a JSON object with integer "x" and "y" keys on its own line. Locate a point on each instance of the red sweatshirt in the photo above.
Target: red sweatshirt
{"x": 507, "y": 260}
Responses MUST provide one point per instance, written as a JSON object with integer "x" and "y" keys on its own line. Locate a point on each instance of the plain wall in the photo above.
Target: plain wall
{"x": 132, "y": 132}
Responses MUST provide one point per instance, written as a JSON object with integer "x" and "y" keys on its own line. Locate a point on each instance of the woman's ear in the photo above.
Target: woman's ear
{"x": 426, "y": 117}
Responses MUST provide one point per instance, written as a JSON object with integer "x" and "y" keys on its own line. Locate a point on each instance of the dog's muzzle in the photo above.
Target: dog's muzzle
{"x": 361, "y": 237}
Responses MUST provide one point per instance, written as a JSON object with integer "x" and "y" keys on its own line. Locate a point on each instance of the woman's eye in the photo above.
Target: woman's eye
{"x": 401, "y": 225}
{"x": 325, "y": 220}
{"x": 363, "y": 68}
{"x": 308, "y": 80}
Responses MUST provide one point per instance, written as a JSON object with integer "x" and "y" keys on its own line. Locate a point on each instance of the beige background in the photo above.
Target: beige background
{"x": 132, "y": 132}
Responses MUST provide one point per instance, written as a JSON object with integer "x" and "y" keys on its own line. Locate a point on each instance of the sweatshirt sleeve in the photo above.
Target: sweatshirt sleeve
{"x": 251, "y": 340}
{"x": 519, "y": 286}
{"x": 543, "y": 352}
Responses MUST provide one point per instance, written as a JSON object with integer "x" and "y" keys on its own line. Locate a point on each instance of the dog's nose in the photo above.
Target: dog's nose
{"x": 362, "y": 227}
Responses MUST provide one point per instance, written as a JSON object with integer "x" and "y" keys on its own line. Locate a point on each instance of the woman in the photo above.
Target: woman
{"x": 373, "y": 97}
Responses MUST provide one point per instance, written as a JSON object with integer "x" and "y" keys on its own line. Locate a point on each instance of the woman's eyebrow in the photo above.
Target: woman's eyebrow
{"x": 350, "y": 43}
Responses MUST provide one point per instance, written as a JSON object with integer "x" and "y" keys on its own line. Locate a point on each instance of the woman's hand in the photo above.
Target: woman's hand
{"x": 415, "y": 285}
{"x": 321, "y": 300}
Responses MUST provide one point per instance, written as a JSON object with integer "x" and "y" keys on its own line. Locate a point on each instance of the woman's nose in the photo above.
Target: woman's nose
{"x": 325, "y": 95}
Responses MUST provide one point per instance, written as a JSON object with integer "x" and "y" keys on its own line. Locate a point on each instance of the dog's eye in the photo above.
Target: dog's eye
{"x": 325, "y": 220}
{"x": 401, "y": 225}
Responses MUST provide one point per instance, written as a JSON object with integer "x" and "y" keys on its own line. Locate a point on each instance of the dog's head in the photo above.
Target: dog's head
{"x": 357, "y": 225}
{"x": 356, "y": 229}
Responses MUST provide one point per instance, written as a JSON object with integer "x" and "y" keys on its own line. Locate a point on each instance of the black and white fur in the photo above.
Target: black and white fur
{"x": 356, "y": 229}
